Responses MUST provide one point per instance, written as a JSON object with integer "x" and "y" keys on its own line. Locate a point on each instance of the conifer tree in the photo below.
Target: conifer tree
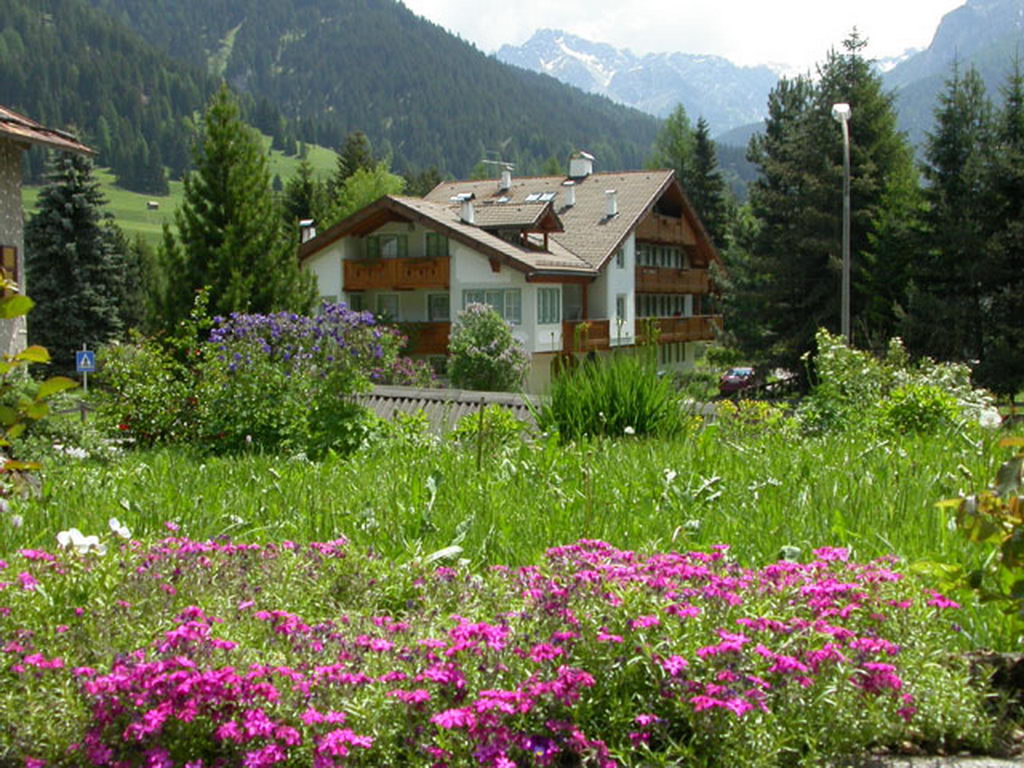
{"x": 706, "y": 187}
{"x": 75, "y": 268}
{"x": 230, "y": 237}
{"x": 304, "y": 196}
{"x": 1001, "y": 367}
{"x": 798, "y": 199}
{"x": 356, "y": 154}
{"x": 945, "y": 318}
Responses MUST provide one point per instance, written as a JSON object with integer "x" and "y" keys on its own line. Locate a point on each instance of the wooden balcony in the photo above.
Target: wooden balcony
{"x": 426, "y": 338}
{"x": 596, "y": 335}
{"x": 668, "y": 230}
{"x": 667, "y": 280}
{"x": 675, "y": 329}
{"x": 395, "y": 274}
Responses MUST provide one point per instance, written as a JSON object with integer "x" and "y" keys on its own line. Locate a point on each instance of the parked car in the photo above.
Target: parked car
{"x": 736, "y": 380}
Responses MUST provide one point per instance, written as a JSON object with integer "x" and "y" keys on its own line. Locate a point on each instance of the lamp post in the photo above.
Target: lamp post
{"x": 841, "y": 113}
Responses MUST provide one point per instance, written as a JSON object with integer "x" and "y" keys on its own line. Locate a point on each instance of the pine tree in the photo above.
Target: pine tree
{"x": 75, "y": 270}
{"x": 230, "y": 238}
{"x": 675, "y": 146}
{"x": 945, "y": 309}
{"x": 304, "y": 196}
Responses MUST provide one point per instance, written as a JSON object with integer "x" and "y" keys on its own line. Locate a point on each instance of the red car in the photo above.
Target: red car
{"x": 736, "y": 380}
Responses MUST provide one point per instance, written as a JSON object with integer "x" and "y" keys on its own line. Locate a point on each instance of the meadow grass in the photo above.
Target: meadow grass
{"x": 757, "y": 492}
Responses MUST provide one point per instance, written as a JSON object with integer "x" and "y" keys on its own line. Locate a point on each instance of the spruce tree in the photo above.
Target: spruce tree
{"x": 675, "y": 145}
{"x": 798, "y": 200}
{"x": 75, "y": 269}
{"x": 229, "y": 232}
{"x": 706, "y": 187}
{"x": 356, "y": 154}
{"x": 945, "y": 317}
{"x": 1001, "y": 366}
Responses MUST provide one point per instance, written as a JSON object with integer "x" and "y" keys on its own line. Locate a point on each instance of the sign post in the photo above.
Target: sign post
{"x": 85, "y": 363}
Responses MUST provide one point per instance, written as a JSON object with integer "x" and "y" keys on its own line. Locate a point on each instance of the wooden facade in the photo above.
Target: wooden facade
{"x": 667, "y": 230}
{"x": 427, "y": 338}
{"x": 396, "y": 274}
{"x": 668, "y": 280}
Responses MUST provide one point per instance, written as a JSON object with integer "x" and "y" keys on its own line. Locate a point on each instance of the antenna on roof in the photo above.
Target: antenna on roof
{"x": 506, "y": 173}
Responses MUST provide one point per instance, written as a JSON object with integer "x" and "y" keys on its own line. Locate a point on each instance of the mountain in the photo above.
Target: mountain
{"x": 986, "y": 34}
{"x": 725, "y": 94}
{"x": 421, "y": 94}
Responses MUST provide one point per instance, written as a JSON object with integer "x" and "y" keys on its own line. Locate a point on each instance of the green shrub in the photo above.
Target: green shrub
{"x": 499, "y": 427}
{"x": 483, "y": 353}
{"x": 855, "y": 389}
{"x": 621, "y": 394}
{"x": 920, "y": 408}
{"x": 147, "y": 395}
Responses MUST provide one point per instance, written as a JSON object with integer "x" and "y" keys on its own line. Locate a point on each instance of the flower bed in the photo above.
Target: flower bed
{"x": 213, "y": 653}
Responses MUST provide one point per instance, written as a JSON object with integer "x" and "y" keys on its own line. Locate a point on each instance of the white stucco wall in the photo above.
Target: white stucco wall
{"x": 12, "y": 232}
{"x": 612, "y": 281}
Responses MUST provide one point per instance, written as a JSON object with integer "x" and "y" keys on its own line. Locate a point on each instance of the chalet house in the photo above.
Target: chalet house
{"x": 17, "y": 133}
{"x": 588, "y": 262}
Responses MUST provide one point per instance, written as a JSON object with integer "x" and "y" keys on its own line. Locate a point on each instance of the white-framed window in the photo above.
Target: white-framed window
{"x": 549, "y": 306}
{"x": 507, "y": 302}
{"x": 387, "y": 246}
{"x": 620, "y": 307}
{"x": 620, "y": 258}
{"x": 438, "y": 308}
{"x": 437, "y": 245}
{"x": 387, "y": 305}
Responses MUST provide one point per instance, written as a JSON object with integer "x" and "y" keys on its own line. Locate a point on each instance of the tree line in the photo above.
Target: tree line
{"x": 937, "y": 245}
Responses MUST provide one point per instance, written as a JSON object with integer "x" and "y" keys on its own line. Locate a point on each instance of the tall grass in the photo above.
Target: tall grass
{"x": 755, "y": 492}
{"x": 612, "y": 396}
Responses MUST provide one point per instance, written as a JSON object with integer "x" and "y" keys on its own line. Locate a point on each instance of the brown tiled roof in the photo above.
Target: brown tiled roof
{"x": 494, "y": 215}
{"x": 20, "y": 128}
{"x": 445, "y": 218}
{"x": 589, "y": 233}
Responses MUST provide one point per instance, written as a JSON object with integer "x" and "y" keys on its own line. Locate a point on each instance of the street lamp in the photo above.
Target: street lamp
{"x": 841, "y": 113}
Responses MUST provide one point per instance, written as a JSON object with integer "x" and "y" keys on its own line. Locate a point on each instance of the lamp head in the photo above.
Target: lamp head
{"x": 841, "y": 112}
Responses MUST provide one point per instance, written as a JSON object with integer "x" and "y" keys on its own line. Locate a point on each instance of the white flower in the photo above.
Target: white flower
{"x": 670, "y": 475}
{"x": 17, "y": 521}
{"x": 81, "y": 544}
{"x": 989, "y": 418}
{"x": 119, "y": 529}
{"x": 629, "y": 431}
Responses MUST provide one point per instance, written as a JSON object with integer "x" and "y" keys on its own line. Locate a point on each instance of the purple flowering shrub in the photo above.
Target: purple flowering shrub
{"x": 191, "y": 653}
{"x": 483, "y": 354}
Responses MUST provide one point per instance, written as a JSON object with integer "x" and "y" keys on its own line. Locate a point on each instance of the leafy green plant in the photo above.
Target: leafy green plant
{"x": 855, "y": 390}
{"x": 483, "y": 353}
{"x": 920, "y": 408}
{"x": 489, "y": 430}
{"x": 620, "y": 394}
{"x": 994, "y": 518}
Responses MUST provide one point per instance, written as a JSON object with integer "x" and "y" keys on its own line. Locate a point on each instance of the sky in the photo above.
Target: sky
{"x": 793, "y": 34}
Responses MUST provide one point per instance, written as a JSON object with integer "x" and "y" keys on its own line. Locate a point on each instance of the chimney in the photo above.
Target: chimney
{"x": 506, "y": 180}
{"x": 581, "y": 165}
{"x": 307, "y": 230}
{"x": 612, "y": 202}
{"x": 467, "y": 214}
{"x": 570, "y": 193}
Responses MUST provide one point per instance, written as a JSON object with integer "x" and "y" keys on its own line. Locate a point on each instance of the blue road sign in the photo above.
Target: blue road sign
{"x": 85, "y": 361}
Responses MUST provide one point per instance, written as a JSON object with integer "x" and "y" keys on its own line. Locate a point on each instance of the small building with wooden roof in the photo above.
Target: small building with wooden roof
{"x": 17, "y": 134}
{"x": 576, "y": 264}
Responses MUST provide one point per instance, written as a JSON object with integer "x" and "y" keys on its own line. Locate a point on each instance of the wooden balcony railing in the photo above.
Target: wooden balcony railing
{"x": 596, "y": 335}
{"x": 395, "y": 274}
{"x": 670, "y": 230}
{"x": 675, "y": 329}
{"x": 427, "y": 338}
{"x": 667, "y": 280}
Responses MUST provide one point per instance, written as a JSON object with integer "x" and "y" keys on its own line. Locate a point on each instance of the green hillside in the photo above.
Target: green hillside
{"x": 131, "y": 209}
